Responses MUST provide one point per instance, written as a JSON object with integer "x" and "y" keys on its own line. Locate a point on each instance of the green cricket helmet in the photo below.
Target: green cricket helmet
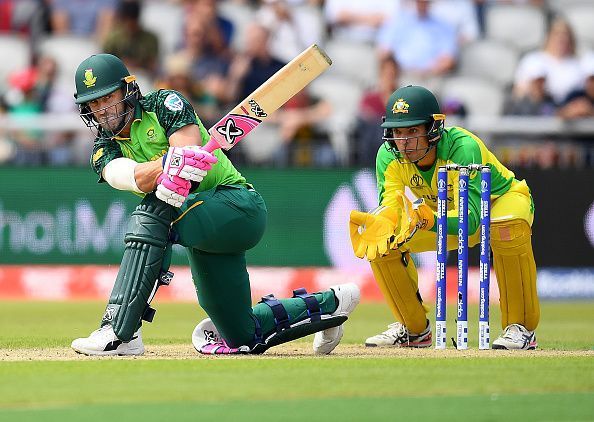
{"x": 412, "y": 106}
{"x": 101, "y": 75}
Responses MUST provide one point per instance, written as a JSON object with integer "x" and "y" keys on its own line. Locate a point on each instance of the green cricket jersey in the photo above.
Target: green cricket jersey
{"x": 156, "y": 116}
{"x": 456, "y": 146}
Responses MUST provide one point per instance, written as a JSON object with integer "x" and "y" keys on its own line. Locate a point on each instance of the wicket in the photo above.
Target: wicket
{"x": 485, "y": 267}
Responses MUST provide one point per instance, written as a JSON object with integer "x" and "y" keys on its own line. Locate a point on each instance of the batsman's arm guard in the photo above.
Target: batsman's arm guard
{"x": 143, "y": 269}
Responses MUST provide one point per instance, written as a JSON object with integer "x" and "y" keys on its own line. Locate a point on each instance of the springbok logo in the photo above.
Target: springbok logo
{"x": 90, "y": 79}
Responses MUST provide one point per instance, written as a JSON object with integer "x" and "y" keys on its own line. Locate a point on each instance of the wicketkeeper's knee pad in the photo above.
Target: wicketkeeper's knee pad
{"x": 144, "y": 267}
{"x": 397, "y": 277}
{"x": 515, "y": 268}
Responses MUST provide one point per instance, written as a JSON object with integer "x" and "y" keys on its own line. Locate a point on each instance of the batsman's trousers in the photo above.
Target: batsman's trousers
{"x": 217, "y": 227}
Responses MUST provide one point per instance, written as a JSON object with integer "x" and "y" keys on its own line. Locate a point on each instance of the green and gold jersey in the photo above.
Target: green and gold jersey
{"x": 456, "y": 146}
{"x": 156, "y": 116}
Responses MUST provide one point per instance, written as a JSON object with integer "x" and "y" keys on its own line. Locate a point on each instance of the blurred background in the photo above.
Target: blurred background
{"x": 520, "y": 74}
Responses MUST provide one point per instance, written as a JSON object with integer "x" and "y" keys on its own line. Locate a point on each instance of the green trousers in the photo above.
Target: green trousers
{"x": 217, "y": 227}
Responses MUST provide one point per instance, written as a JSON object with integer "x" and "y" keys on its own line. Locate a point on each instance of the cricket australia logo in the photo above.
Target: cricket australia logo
{"x": 400, "y": 106}
{"x": 90, "y": 79}
{"x": 230, "y": 131}
{"x": 256, "y": 109}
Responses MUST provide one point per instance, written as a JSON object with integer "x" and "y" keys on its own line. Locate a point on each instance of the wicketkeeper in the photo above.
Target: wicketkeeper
{"x": 416, "y": 145}
{"x": 150, "y": 145}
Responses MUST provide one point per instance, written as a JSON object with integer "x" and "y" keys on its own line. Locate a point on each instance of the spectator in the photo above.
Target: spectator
{"x": 372, "y": 108}
{"x": 579, "y": 103}
{"x": 92, "y": 18}
{"x": 423, "y": 44}
{"x": 177, "y": 76}
{"x": 30, "y": 17}
{"x": 221, "y": 30}
{"x": 137, "y": 47}
{"x": 207, "y": 67}
{"x": 559, "y": 58}
{"x": 462, "y": 15}
{"x": 255, "y": 66}
{"x": 534, "y": 100}
{"x": 292, "y": 28}
{"x": 357, "y": 20}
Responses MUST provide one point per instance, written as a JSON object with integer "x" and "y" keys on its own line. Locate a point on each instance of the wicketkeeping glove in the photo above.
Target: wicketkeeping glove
{"x": 190, "y": 162}
{"x": 172, "y": 189}
{"x": 372, "y": 233}
{"x": 415, "y": 216}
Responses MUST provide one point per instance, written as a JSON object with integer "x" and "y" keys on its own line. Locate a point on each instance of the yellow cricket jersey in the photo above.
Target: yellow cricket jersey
{"x": 456, "y": 146}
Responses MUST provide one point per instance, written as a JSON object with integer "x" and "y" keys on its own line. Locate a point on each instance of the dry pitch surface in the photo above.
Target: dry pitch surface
{"x": 296, "y": 350}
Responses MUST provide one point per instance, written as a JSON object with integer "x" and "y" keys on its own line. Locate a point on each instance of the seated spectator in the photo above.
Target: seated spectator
{"x": 356, "y": 20}
{"x": 137, "y": 47}
{"x": 221, "y": 29}
{"x": 534, "y": 100}
{"x": 92, "y": 18}
{"x": 462, "y": 15}
{"x": 559, "y": 58}
{"x": 579, "y": 104}
{"x": 254, "y": 67}
{"x": 292, "y": 28}
{"x": 207, "y": 67}
{"x": 372, "y": 107}
{"x": 177, "y": 75}
{"x": 423, "y": 44}
{"x": 30, "y": 17}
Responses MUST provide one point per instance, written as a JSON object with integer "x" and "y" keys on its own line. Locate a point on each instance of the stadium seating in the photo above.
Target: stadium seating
{"x": 522, "y": 26}
{"x": 493, "y": 60}
{"x": 15, "y": 50}
{"x": 581, "y": 19}
{"x": 163, "y": 18}
{"x": 351, "y": 60}
{"x": 479, "y": 96}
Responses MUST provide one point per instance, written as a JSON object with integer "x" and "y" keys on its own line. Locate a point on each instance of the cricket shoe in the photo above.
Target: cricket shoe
{"x": 207, "y": 341}
{"x": 516, "y": 337}
{"x": 397, "y": 335}
{"x": 104, "y": 342}
{"x": 348, "y": 296}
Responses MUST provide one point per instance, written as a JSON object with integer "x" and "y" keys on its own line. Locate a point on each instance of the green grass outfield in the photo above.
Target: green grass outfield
{"x": 40, "y": 379}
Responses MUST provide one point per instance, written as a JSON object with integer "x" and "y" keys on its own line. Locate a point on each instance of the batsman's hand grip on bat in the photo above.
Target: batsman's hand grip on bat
{"x": 372, "y": 233}
{"x": 415, "y": 216}
{"x": 188, "y": 162}
{"x": 172, "y": 189}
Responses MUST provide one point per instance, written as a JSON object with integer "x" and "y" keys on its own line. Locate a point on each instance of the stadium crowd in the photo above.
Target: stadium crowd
{"x": 531, "y": 58}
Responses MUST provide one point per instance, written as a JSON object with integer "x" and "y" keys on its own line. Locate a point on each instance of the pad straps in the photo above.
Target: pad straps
{"x": 313, "y": 307}
{"x": 281, "y": 318}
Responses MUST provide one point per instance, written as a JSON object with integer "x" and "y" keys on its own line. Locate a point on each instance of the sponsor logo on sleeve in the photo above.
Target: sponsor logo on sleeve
{"x": 173, "y": 102}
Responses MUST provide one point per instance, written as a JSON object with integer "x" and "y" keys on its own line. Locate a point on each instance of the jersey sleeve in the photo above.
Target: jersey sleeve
{"x": 173, "y": 111}
{"x": 104, "y": 151}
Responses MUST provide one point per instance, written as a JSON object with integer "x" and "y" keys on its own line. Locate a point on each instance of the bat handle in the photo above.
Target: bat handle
{"x": 211, "y": 145}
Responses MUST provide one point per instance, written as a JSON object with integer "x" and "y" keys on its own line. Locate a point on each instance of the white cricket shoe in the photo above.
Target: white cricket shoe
{"x": 103, "y": 342}
{"x": 397, "y": 335}
{"x": 516, "y": 337}
{"x": 348, "y": 296}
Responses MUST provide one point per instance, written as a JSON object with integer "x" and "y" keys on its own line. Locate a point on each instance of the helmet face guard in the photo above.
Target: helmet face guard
{"x": 103, "y": 128}
{"x": 411, "y": 143}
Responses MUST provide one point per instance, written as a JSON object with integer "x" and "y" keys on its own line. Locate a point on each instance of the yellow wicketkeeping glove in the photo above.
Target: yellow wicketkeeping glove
{"x": 372, "y": 233}
{"x": 415, "y": 216}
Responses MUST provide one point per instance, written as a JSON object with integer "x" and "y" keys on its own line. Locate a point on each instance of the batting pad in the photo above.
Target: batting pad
{"x": 206, "y": 332}
{"x": 397, "y": 277}
{"x": 515, "y": 269}
{"x": 146, "y": 242}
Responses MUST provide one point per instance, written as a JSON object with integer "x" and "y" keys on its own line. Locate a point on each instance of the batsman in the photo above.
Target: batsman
{"x": 416, "y": 144}
{"x": 151, "y": 145}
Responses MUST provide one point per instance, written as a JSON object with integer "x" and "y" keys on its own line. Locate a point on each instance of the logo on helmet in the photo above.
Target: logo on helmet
{"x": 90, "y": 79}
{"x": 400, "y": 106}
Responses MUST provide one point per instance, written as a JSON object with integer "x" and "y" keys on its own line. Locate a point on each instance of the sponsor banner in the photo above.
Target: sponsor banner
{"x": 94, "y": 282}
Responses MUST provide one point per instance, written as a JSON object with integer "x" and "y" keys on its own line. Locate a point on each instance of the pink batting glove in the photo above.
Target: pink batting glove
{"x": 190, "y": 163}
{"x": 172, "y": 189}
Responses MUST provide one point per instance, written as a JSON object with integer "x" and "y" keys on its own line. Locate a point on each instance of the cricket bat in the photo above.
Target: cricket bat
{"x": 269, "y": 97}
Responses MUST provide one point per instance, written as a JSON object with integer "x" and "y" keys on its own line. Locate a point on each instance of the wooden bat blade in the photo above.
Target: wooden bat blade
{"x": 268, "y": 98}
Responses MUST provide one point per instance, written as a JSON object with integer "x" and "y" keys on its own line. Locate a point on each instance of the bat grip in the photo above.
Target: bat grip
{"x": 211, "y": 145}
